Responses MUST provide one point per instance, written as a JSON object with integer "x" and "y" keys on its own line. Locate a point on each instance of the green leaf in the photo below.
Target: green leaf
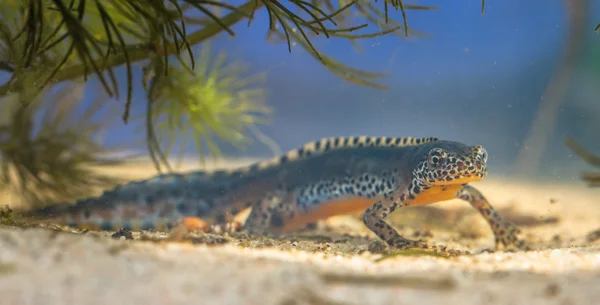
{"x": 215, "y": 102}
{"x": 58, "y": 160}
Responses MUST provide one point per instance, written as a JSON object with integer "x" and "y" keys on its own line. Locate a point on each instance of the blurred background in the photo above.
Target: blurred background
{"x": 479, "y": 79}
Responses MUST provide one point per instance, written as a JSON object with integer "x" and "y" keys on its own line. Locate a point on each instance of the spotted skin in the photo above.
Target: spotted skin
{"x": 441, "y": 172}
{"x": 332, "y": 176}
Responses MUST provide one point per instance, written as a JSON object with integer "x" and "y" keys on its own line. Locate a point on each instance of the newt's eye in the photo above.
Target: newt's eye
{"x": 435, "y": 161}
{"x": 483, "y": 155}
{"x": 436, "y": 157}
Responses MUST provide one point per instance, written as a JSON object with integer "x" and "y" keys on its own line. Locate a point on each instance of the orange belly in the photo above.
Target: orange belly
{"x": 436, "y": 194}
{"x": 349, "y": 205}
{"x": 342, "y": 206}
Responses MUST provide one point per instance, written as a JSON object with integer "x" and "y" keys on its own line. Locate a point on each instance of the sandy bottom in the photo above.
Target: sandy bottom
{"x": 339, "y": 262}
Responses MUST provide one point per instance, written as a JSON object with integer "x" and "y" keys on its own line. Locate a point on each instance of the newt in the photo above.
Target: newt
{"x": 324, "y": 178}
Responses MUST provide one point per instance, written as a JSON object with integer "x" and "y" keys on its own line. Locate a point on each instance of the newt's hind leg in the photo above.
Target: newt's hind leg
{"x": 504, "y": 231}
{"x": 279, "y": 212}
{"x": 269, "y": 214}
{"x": 196, "y": 224}
{"x": 374, "y": 217}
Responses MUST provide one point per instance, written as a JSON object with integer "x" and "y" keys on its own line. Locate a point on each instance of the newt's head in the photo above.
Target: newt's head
{"x": 450, "y": 163}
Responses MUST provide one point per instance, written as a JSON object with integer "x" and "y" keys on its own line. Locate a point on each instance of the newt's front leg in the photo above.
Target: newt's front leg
{"x": 374, "y": 217}
{"x": 504, "y": 231}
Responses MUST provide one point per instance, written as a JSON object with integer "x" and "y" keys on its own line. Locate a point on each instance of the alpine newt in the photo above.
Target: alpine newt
{"x": 332, "y": 176}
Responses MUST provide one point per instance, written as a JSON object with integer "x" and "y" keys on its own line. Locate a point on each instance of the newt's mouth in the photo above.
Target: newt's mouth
{"x": 464, "y": 179}
{"x": 461, "y": 179}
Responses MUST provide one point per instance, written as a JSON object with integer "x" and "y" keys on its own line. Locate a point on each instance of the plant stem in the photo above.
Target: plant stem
{"x": 141, "y": 53}
{"x": 542, "y": 127}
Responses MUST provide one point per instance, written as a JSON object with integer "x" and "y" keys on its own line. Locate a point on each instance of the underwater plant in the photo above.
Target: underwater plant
{"x": 591, "y": 178}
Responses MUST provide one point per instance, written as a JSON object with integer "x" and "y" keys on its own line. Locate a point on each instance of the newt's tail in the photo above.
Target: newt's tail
{"x": 157, "y": 203}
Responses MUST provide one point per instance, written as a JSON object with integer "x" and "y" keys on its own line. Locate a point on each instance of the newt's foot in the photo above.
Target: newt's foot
{"x": 402, "y": 243}
{"x": 123, "y": 232}
{"x": 506, "y": 237}
{"x": 195, "y": 224}
{"x": 229, "y": 227}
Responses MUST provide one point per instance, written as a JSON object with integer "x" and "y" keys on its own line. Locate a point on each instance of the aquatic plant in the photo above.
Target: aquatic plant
{"x": 93, "y": 36}
{"x": 591, "y": 178}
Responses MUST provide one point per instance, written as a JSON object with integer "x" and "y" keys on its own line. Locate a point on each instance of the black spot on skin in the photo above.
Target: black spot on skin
{"x": 86, "y": 213}
{"x": 159, "y": 193}
{"x": 150, "y": 198}
{"x": 222, "y": 189}
{"x": 182, "y": 208}
{"x": 201, "y": 210}
{"x": 220, "y": 218}
{"x": 276, "y": 221}
{"x": 311, "y": 226}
